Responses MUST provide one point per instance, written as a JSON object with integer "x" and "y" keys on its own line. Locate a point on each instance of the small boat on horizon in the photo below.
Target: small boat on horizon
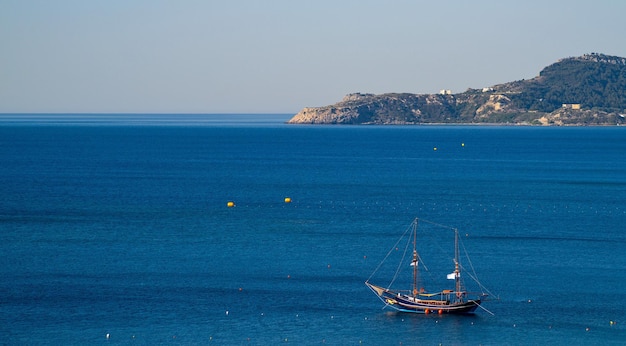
{"x": 417, "y": 299}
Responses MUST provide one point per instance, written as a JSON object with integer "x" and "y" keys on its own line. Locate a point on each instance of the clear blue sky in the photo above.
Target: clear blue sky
{"x": 278, "y": 56}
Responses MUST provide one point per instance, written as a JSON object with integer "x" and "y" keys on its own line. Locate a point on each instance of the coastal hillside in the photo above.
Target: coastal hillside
{"x": 585, "y": 90}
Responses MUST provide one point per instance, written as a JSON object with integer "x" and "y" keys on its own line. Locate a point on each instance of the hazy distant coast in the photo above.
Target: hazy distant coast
{"x": 577, "y": 91}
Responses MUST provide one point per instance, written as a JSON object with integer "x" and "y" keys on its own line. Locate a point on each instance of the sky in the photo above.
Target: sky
{"x": 279, "y": 56}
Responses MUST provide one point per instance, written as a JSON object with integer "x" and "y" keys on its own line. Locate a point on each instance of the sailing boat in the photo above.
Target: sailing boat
{"x": 417, "y": 300}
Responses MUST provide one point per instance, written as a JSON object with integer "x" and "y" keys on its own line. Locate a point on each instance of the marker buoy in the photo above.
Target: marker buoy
{"x": 287, "y": 200}
{"x": 230, "y": 204}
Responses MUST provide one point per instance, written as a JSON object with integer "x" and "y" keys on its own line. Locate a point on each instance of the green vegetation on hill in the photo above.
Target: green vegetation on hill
{"x": 594, "y": 81}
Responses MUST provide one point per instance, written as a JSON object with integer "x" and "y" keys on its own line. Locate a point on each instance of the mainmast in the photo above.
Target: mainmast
{"x": 457, "y": 272}
{"x": 414, "y": 263}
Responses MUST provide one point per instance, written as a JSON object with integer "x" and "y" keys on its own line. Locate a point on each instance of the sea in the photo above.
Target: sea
{"x": 239, "y": 229}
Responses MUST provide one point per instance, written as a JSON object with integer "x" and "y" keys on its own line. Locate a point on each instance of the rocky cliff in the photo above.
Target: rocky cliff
{"x": 585, "y": 90}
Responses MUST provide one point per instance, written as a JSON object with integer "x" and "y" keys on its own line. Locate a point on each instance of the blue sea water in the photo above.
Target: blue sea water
{"x": 114, "y": 229}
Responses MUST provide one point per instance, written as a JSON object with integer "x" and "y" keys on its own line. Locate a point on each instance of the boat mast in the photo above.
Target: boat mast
{"x": 414, "y": 262}
{"x": 457, "y": 272}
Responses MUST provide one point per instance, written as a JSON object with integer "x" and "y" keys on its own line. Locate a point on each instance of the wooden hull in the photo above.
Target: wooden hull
{"x": 407, "y": 303}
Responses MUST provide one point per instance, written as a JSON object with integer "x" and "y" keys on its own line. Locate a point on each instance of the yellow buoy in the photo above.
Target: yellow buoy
{"x": 287, "y": 200}
{"x": 230, "y": 204}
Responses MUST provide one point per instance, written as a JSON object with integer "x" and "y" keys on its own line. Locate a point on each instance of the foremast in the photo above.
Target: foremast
{"x": 457, "y": 270}
{"x": 415, "y": 263}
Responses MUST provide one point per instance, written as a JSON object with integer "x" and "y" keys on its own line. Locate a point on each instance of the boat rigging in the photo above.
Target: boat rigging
{"x": 417, "y": 300}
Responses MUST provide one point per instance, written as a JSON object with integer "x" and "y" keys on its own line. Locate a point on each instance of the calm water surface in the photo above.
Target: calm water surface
{"x": 118, "y": 225}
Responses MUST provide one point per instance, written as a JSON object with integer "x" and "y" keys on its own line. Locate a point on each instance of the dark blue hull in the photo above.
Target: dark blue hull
{"x": 407, "y": 303}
